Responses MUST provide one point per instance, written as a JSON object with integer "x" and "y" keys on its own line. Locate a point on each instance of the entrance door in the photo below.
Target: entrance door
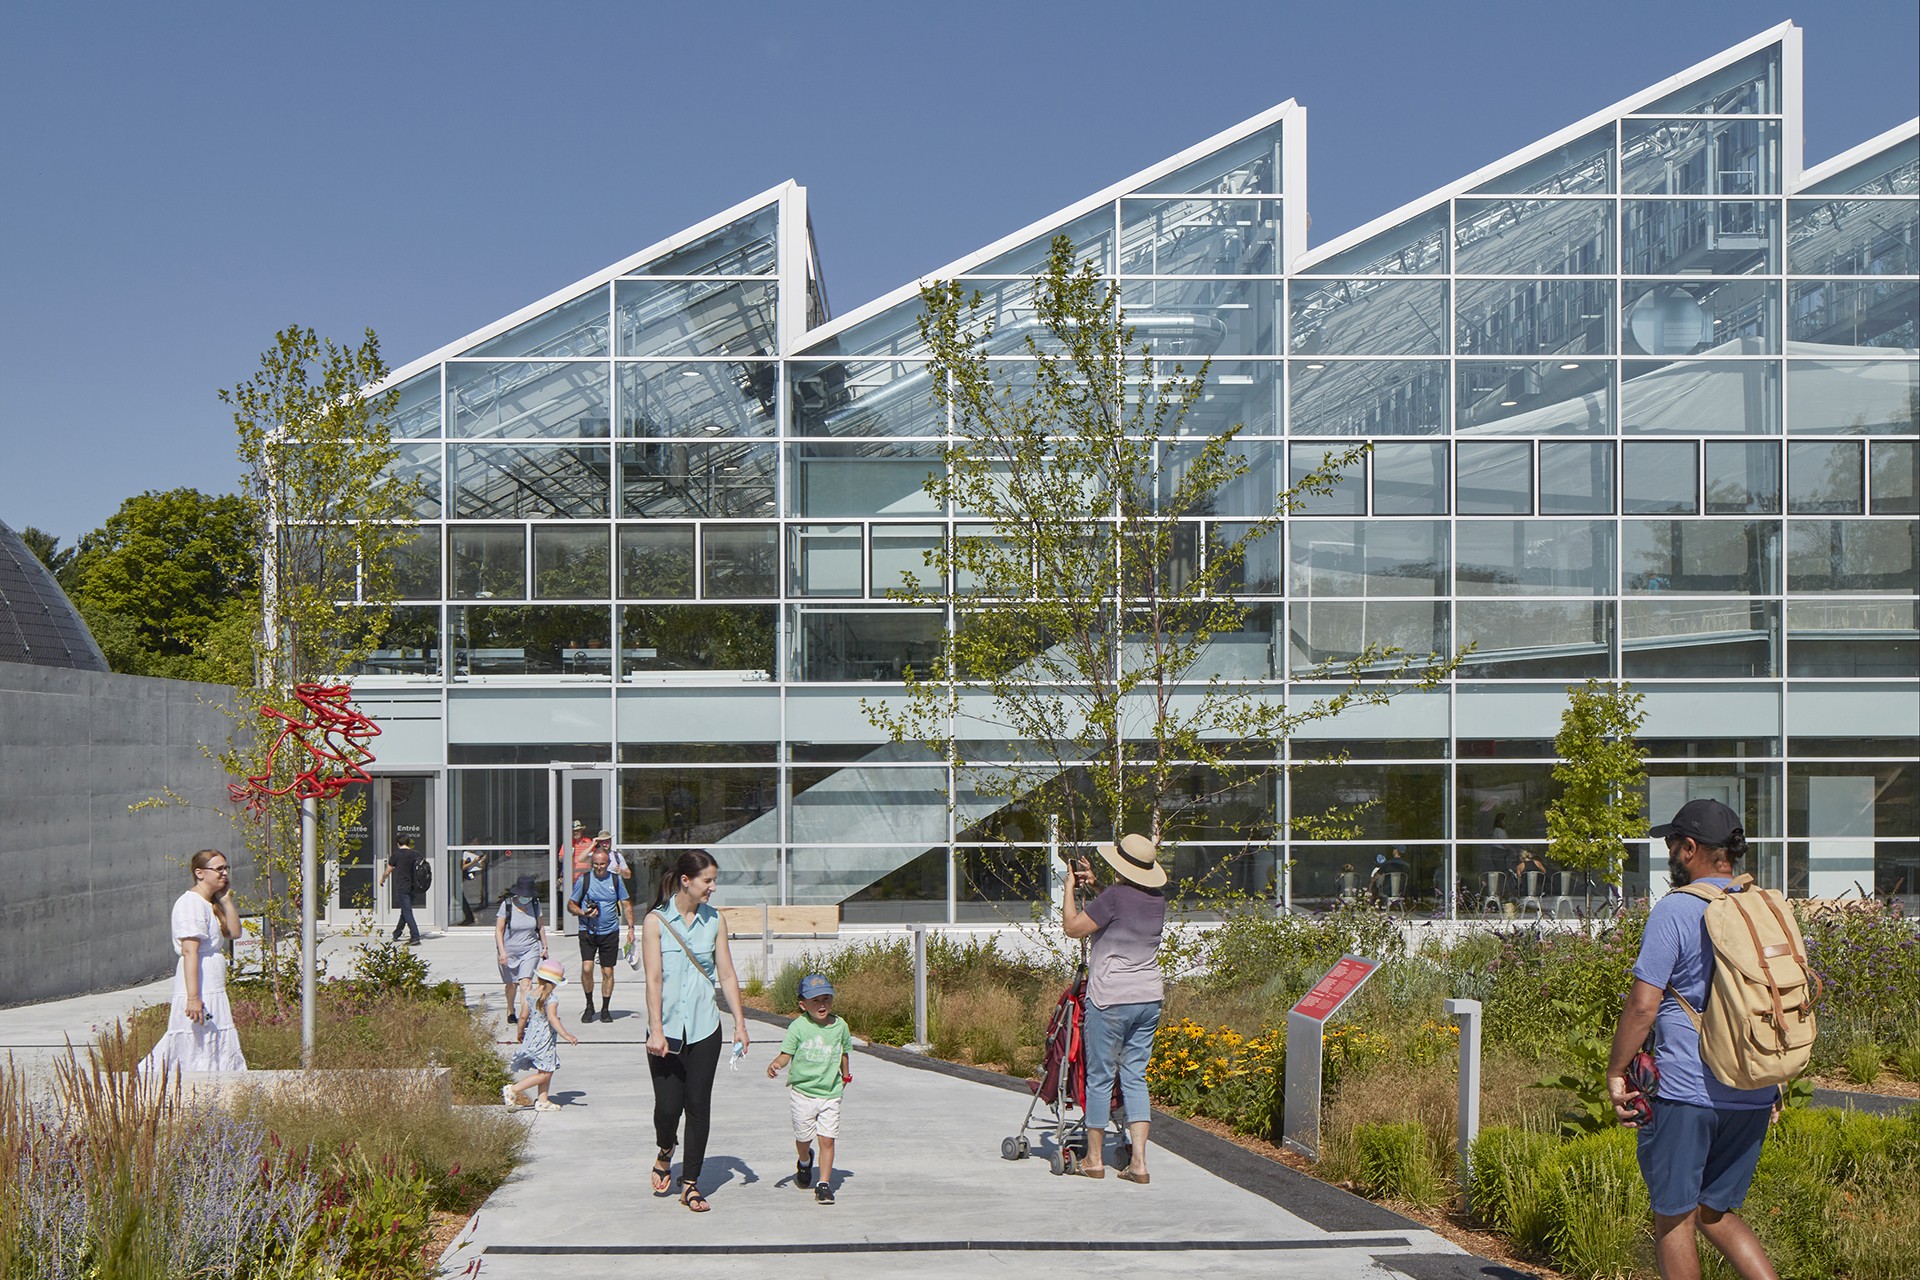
{"x": 399, "y": 807}
{"x": 584, "y": 811}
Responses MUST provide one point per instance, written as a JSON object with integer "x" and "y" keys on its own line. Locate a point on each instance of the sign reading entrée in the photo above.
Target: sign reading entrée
{"x": 1306, "y": 1027}
{"x": 1336, "y": 988}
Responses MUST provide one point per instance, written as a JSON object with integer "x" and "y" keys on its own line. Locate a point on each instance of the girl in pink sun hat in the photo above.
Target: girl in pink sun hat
{"x": 539, "y": 1052}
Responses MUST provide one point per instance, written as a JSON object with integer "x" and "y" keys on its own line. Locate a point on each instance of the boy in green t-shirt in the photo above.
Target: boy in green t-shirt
{"x": 818, "y": 1045}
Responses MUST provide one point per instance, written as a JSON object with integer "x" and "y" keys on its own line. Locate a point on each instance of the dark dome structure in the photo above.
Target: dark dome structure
{"x": 38, "y": 624}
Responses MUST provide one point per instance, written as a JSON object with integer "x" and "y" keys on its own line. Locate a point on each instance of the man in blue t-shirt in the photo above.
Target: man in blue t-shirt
{"x": 1699, "y": 1147}
{"x": 599, "y": 898}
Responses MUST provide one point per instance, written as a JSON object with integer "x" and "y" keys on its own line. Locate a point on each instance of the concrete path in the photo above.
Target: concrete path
{"x": 920, "y": 1181}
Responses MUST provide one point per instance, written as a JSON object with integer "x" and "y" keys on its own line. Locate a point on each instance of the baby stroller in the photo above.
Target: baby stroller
{"x": 1062, "y": 1087}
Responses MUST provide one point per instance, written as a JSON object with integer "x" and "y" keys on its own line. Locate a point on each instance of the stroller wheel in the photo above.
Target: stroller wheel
{"x": 1009, "y": 1148}
{"x": 1021, "y": 1148}
{"x": 1056, "y": 1162}
{"x": 1078, "y": 1146}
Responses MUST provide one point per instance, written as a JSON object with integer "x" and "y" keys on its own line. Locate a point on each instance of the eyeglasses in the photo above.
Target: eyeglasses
{"x": 218, "y": 870}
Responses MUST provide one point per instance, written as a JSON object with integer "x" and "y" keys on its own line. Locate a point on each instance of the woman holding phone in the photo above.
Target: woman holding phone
{"x": 200, "y": 1033}
{"x": 684, "y": 946}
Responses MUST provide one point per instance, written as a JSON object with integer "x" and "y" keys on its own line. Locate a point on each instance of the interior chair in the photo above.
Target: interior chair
{"x": 1532, "y": 885}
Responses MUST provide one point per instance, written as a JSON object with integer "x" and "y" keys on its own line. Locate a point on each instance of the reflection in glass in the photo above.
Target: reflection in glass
{"x": 1700, "y": 237}
{"x": 1857, "y": 313}
{"x": 419, "y": 463}
{"x": 1258, "y": 573}
{"x": 838, "y": 478}
{"x": 416, "y": 409}
{"x": 1000, "y": 885}
{"x": 1678, "y": 318}
{"x": 1853, "y": 237}
{"x": 532, "y": 481}
{"x": 873, "y": 886}
{"x": 1369, "y": 559}
{"x": 1896, "y": 478}
{"x": 1701, "y": 397}
{"x": 1743, "y": 477}
{"x": 1699, "y": 639}
{"x": 674, "y": 479}
{"x": 1347, "y": 494}
{"x": 1339, "y": 631}
{"x": 656, "y": 561}
{"x": 825, "y": 559}
{"x": 547, "y": 640}
{"x": 1369, "y": 315}
{"x": 1199, "y": 236}
{"x": 1583, "y": 166}
{"x": 416, "y": 566}
{"x": 1407, "y": 801}
{"x": 1694, "y": 157}
{"x": 747, "y": 247}
{"x": 410, "y": 646}
{"x": 1853, "y": 397}
{"x": 530, "y": 400}
{"x": 1534, "y": 557}
{"x": 1521, "y": 237}
{"x": 1533, "y": 639}
{"x": 1500, "y": 800}
{"x": 1825, "y": 477}
{"x": 574, "y": 328}
{"x": 1701, "y": 556}
{"x": 684, "y": 805}
{"x": 740, "y": 560}
{"x": 1869, "y": 638}
{"x": 900, "y": 550}
{"x": 489, "y": 561}
{"x": 499, "y": 807}
{"x": 1191, "y": 320}
{"x": 1535, "y": 397}
{"x": 865, "y": 398}
{"x": 1238, "y": 393}
{"x": 1853, "y": 555}
{"x": 709, "y": 398}
{"x": 1576, "y": 478}
{"x": 570, "y": 563}
{"x": 1409, "y": 479}
{"x": 1251, "y": 493}
{"x": 725, "y": 639}
{"x": 1552, "y": 316}
{"x": 1368, "y": 397}
{"x": 1416, "y": 247}
{"x": 872, "y": 644}
{"x": 697, "y": 318}
{"x": 1494, "y": 478}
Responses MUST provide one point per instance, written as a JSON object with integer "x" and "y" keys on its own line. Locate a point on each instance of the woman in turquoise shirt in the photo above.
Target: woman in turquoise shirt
{"x": 683, "y": 1026}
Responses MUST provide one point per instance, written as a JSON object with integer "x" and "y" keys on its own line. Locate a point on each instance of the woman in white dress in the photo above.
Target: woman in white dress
{"x": 200, "y": 1033}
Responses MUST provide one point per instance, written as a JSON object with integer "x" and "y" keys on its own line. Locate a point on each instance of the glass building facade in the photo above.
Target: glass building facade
{"x": 1642, "y": 401}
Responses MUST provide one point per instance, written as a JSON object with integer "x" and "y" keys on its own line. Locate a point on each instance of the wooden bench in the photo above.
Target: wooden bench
{"x": 806, "y": 922}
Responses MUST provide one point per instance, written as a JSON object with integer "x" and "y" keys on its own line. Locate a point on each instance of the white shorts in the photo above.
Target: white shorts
{"x": 814, "y": 1116}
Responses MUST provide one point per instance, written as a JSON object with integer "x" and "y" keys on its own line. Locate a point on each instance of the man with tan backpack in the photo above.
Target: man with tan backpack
{"x": 1722, "y": 981}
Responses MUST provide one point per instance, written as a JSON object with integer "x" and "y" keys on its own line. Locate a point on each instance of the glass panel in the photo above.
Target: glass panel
{"x": 1416, "y": 247}
{"x": 1707, "y": 557}
{"x": 894, "y": 332}
{"x": 1003, "y": 886}
{"x": 420, "y": 462}
{"x": 863, "y": 477}
{"x": 1535, "y": 317}
{"x": 1496, "y": 801}
{"x": 1251, "y": 493}
{"x": 735, "y": 638}
{"x": 1338, "y": 631}
{"x": 865, "y": 398}
{"x": 1406, "y": 801}
{"x": 570, "y": 563}
{"x": 492, "y": 481}
{"x": 1896, "y": 478}
{"x": 416, "y": 566}
{"x": 1247, "y": 167}
{"x": 1581, "y": 167}
{"x": 576, "y": 328}
{"x": 1197, "y": 236}
{"x": 1409, "y": 479}
{"x": 1853, "y": 397}
{"x": 1853, "y": 555}
{"x": 683, "y": 805}
{"x": 1535, "y": 557}
{"x": 1368, "y": 398}
{"x": 1825, "y": 476}
{"x": 1703, "y": 237}
{"x": 1576, "y": 479}
{"x": 1536, "y": 397}
{"x": 1742, "y": 478}
{"x": 656, "y": 561}
{"x": 1894, "y": 171}
{"x": 1258, "y": 573}
{"x": 1370, "y": 559}
{"x": 864, "y": 645}
{"x": 410, "y": 646}
{"x": 1368, "y": 315}
{"x": 547, "y": 640}
{"x": 1494, "y": 479}
{"x": 697, "y": 480}
{"x": 740, "y": 560}
{"x": 743, "y": 248}
{"x": 1238, "y": 393}
{"x": 1533, "y": 639}
{"x": 1701, "y": 397}
{"x": 1853, "y": 237}
{"x": 499, "y": 806}
{"x": 1533, "y": 237}
{"x": 1657, "y": 478}
{"x": 1870, "y": 313}
{"x": 869, "y": 805}
{"x": 1092, "y": 236}
{"x": 1699, "y": 639}
{"x": 489, "y": 561}
{"x": 1864, "y": 638}
{"x": 697, "y": 318}
{"x": 1739, "y": 317}
{"x": 416, "y": 410}
{"x": 826, "y": 559}
{"x": 1692, "y": 157}
{"x": 554, "y": 401}
{"x": 1194, "y": 319}
{"x": 711, "y": 398}
{"x": 1750, "y": 86}
{"x": 873, "y": 886}
{"x": 902, "y": 549}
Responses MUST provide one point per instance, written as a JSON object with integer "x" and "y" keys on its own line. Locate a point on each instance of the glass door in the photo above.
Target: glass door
{"x": 399, "y": 807}
{"x": 584, "y": 811}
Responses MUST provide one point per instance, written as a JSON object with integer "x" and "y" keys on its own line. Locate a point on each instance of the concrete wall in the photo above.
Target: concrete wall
{"x": 86, "y": 884}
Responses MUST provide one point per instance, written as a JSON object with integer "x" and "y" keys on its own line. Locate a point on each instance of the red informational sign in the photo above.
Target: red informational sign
{"x": 1336, "y": 988}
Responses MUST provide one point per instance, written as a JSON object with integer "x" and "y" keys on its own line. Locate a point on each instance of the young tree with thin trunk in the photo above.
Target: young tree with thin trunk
{"x": 1602, "y": 801}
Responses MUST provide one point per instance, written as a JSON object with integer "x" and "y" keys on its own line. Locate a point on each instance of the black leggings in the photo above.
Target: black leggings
{"x": 683, "y": 1082}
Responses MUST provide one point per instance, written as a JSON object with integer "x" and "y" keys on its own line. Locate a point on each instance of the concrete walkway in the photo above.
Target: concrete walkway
{"x": 921, "y": 1185}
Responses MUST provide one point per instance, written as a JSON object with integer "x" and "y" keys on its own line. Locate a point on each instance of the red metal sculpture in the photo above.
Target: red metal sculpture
{"x": 333, "y": 734}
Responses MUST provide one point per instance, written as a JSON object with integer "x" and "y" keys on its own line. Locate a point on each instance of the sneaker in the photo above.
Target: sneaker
{"x": 512, "y": 1018}
{"x": 803, "y": 1173}
{"x": 606, "y": 1014}
{"x": 546, "y": 1104}
{"x": 823, "y": 1194}
{"x": 513, "y": 1100}
{"x": 588, "y": 1015}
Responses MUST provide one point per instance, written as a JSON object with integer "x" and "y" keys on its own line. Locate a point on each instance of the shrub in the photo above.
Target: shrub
{"x": 1906, "y": 1060}
{"x": 1397, "y": 1162}
{"x": 1281, "y": 956}
{"x": 1542, "y": 983}
{"x": 989, "y": 1024}
{"x": 785, "y": 992}
{"x": 1868, "y": 958}
{"x": 1506, "y": 1186}
{"x": 1862, "y": 1060}
{"x": 377, "y": 1214}
{"x": 1220, "y": 1074}
{"x": 1601, "y": 1201}
{"x": 390, "y": 968}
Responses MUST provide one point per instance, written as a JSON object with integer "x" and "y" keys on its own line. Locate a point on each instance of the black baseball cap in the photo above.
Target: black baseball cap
{"x": 1708, "y": 821}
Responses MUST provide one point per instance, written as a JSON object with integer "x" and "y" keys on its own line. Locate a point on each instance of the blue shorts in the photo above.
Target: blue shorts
{"x": 1699, "y": 1156}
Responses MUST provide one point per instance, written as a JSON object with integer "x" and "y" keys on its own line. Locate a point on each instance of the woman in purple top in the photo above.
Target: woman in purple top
{"x": 1123, "y": 991}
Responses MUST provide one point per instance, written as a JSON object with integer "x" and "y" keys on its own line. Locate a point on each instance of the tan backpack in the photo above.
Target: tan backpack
{"x": 1757, "y": 1027}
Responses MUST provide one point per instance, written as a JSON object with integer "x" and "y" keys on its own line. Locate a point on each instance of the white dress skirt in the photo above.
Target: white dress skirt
{"x": 211, "y": 1044}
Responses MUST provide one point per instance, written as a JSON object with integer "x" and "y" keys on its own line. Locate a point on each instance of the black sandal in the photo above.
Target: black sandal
{"x": 690, "y": 1196}
{"x": 663, "y": 1172}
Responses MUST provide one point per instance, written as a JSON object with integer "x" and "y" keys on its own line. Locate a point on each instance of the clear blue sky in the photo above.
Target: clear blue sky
{"x": 182, "y": 180}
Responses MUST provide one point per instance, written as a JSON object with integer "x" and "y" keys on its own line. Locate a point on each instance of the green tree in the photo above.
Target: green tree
{"x": 1099, "y": 634}
{"x": 46, "y": 547}
{"x": 1602, "y": 800}
{"x": 156, "y": 576}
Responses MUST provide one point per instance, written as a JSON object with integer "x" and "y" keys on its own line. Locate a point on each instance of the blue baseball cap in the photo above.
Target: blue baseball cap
{"x": 815, "y": 984}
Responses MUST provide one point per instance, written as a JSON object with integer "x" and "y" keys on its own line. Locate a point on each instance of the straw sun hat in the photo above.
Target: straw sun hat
{"x": 1134, "y": 858}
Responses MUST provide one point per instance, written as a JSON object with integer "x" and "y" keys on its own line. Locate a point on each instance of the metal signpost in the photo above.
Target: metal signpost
{"x": 1467, "y": 1014}
{"x": 1306, "y": 1047}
